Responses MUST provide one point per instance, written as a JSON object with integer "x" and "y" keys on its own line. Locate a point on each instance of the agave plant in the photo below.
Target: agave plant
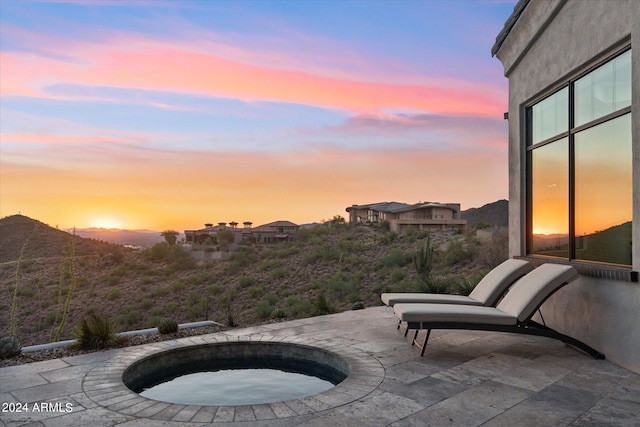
{"x": 97, "y": 332}
{"x": 9, "y": 347}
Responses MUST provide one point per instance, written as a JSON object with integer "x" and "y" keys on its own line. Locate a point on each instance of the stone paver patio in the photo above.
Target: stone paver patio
{"x": 466, "y": 378}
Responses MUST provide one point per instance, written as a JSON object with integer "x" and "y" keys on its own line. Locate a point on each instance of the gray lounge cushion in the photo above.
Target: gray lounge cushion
{"x": 452, "y": 313}
{"x": 392, "y": 299}
{"x": 487, "y": 291}
{"x": 518, "y": 305}
{"x": 497, "y": 281}
{"x": 531, "y": 290}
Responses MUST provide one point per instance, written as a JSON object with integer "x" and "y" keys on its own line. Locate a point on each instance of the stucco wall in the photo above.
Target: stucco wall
{"x": 551, "y": 41}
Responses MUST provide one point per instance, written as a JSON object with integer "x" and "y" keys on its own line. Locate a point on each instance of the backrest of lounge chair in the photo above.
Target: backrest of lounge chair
{"x": 528, "y": 293}
{"x": 496, "y": 282}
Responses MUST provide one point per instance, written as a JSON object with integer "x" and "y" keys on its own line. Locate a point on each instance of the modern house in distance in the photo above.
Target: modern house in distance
{"x": 402, "y": 217}
{"x": 276, "y": 231}
{"x": 574, "y": 161}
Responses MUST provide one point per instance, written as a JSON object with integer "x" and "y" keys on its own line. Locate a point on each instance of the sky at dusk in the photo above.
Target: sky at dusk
{"x": 161, "y": 114}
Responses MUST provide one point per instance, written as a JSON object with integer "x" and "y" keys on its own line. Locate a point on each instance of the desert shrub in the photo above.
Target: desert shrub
{"x": 200, "y": 279}
{"x": 153, "y": 321}
{"x": 167, "y": 326}
{"x": 263, "y": 309}
{"x": 198, "y": 306}
{"x": 265, "y": 306}
{"x": 435, "y": 285}
{"x": 113, "y": 294}
{"x": 193, "y": 297}
{"x": 160, "y": 291}
{"x": 171, "y": 307}
{"x": 156, "y": 311}
{"x": 396, "y": 258}
{"x": 9, "y": 347}
{"x": 324, "y": 252}
{"x": 157, "y": 252}
{"x": 90, "y": 310}
{"x": 357, "y": 306}
{"x": 278, "y": 274}
{"x": 255, "y": 291}
{"x": 131, "y": 317}
{"x": 278, "y": 313}
{"x": 495, "y": 250}
{"x": 146, "y": 304}
{"x": 269, "y": 264}
{"x": 116, "y": 256}
{"x": 321, "y": 306}
{"x": 113, "y": 280}
{"x": 300, "y": 308}
{"x": 349, "y": 245}
{"x": 97, "y": 332}
{"x": 179, "y": 259}
{"x": 119, "y": 271}
{"x": 245, "y": 281}
{"x": 339, "y": 284}
{"x": 178, "y": 286}
{"x": 241, "y": 258}
{"x": 397, "y": 275}
{"x": 51, "y": 318}
{"x": 387, "y": 238}
{"x": 457, "y": 252}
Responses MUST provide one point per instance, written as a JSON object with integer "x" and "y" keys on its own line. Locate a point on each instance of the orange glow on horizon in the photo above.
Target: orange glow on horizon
{"x": 212, "y": 187}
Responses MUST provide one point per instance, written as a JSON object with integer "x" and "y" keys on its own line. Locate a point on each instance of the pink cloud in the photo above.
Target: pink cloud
{"x": 49, "y": 138}
{"x": 136, "y": 62}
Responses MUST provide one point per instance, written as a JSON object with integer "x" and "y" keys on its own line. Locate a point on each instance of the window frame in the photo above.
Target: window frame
{"x": 529, "y": 146}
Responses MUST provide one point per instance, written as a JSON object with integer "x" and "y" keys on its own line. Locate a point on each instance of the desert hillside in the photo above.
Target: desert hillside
{"x": 43, "y": 240}
{"x": 330, "y": 267}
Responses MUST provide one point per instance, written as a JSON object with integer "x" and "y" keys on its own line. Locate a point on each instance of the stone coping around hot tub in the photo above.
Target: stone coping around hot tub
{"x": 104, "y": 385}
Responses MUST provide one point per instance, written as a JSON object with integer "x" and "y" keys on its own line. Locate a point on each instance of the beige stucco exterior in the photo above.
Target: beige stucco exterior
{"x": 403, "y": 217}
{"x": 551, "y": 41}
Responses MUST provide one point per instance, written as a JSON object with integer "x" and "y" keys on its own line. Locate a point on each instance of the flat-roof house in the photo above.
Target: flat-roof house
{"x": 266, "y": 233}
{"x": 402, "y": 217}
{"x": 574, "y": 161}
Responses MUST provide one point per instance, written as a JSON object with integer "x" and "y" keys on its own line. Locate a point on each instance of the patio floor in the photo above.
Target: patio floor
{"x": 466, "y": 378}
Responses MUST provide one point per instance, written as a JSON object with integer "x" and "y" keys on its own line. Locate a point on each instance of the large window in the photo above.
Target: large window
{"x": 579, "y": 159}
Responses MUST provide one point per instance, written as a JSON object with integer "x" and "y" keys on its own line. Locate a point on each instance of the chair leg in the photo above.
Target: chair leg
{"x": 424, "y": 344}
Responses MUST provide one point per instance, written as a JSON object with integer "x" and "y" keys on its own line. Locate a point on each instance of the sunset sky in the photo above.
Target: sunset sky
{"x": 158, "y": 114}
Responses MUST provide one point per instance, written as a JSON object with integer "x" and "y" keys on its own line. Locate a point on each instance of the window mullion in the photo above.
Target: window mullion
{"x": 572, "y": 175}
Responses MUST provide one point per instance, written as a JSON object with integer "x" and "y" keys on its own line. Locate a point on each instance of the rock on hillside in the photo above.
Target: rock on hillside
{"x": 44, "y": 241}
{"x": 494, "y": 214}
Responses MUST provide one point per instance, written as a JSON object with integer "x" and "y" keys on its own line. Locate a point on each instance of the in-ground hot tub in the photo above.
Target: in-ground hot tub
{"x": 235, "y": 373}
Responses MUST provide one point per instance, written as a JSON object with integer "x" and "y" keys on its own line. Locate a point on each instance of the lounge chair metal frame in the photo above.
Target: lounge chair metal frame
{"x": 528, "y": 327}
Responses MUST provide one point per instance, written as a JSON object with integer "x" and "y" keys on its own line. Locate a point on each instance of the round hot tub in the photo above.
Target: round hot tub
{"x": 235, "y": 373}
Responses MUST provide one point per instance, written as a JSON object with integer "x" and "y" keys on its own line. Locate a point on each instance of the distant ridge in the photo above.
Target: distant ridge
{"x": 495, "y": 214}
{"x": 44, "y": 241}
{"x": 123, "y": 237}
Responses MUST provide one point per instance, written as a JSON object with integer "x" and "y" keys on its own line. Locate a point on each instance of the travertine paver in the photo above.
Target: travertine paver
{"x": 466, "y": 378}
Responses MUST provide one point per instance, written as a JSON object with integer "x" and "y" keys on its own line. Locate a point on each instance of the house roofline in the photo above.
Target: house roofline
{"x": 508, "y": 25}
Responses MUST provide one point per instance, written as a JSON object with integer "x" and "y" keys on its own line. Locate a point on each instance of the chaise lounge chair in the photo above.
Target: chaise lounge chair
{"x": 487, "y": 292}
{"x": 513, "y": 314}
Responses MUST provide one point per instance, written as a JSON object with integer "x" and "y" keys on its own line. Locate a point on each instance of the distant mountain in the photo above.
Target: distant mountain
{"x": 142, "y": 238}
{"x": 42, "y": 240}
{"x": 495, "y": 214}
